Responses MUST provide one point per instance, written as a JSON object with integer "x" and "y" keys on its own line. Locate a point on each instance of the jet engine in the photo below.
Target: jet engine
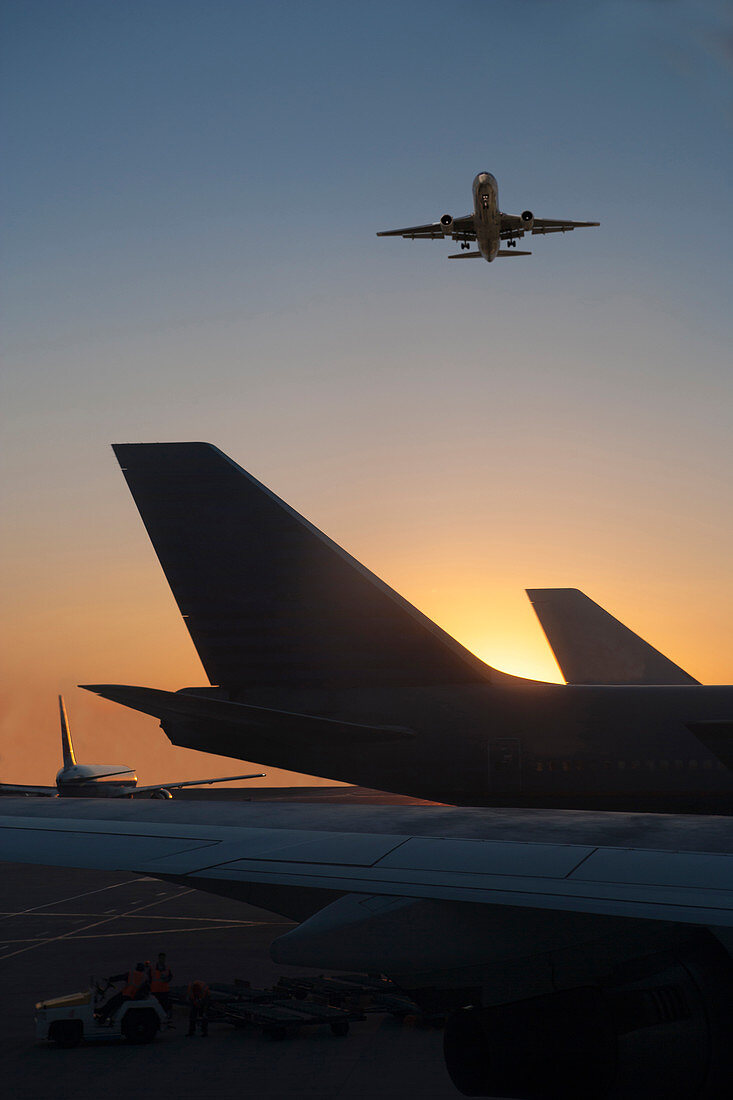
{"x": 656, "y": 1031}
{"x": 161, "y": 792}
{"x": 446, "y": 224}
{"x": 527, "y": 220}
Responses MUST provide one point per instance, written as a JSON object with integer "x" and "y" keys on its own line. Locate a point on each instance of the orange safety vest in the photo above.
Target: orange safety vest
{"x": 135, "y": 979}
{"x": 197, "y": 991}
{"x": 161, "y": 980}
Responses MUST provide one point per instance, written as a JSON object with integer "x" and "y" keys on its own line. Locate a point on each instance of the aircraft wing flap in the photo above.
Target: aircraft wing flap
{"x": 487, "y": 856}
{"x": 679, "y": 870}
{"x": 688, "y": 887}
{"x": 610, "y": 899}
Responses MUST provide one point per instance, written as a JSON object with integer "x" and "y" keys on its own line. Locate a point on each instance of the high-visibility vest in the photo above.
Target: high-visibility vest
{"x": 197, "y": 991}
{"x": 161, "y": 980}
{"x": 135, "y": 979}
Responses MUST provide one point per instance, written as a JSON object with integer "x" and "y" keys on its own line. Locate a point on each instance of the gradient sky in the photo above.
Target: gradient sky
{"x": 189, "y": 204}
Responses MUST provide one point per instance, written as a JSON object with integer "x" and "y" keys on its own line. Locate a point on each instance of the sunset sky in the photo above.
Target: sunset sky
{"x": 189, "y": 203}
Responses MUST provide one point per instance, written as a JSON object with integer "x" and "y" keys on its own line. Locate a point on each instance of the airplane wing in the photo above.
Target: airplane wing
{"x": 461, "y": 227}
{"x": 196, "y": 782}
{"x": 591, "y": 647}
{"x": 554, "y": 225}
{"x": 512, "y": 225}
{"x": 553, "y": 929}
{"x": 470, "y": 859}
{"x": 19, "y": 788}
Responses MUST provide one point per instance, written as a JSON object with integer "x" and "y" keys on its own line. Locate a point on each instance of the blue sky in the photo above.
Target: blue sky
{"x": 190, "y": 202}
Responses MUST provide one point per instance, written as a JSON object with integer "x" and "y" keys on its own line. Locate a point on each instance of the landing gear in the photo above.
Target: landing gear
{"x": 511, "y": 243}
{"x": 465, "y": 244}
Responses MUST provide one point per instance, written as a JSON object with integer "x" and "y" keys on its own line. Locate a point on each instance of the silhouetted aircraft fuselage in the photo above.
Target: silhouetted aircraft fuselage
{"x": 626, "y": 748}
{"x": 487, "y": 217}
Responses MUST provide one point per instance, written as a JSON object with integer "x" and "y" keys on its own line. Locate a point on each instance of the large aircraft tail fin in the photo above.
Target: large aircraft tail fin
{"x": 269, "y": 600}
{"x": 67, "y": 747}
{"x": 591, "y": 647}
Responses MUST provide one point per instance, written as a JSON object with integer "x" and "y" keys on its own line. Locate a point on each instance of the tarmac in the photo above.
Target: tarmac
{"x": 59, "y": 927}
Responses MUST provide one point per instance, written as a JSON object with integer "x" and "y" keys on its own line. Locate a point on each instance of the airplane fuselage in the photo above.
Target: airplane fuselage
{"x": 487, "y": 217}
{"x": 545, "y": 745}
{"x": 95, "y": 781}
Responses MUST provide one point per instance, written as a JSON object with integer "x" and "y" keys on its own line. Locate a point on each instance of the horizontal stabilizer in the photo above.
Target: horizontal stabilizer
{"x": 90, "y": 773}
{"x": 512, "y": 252}
{"x": 591, "y": 647}
{"x": 465, "y": 256}
{"x": 280, "y": 726}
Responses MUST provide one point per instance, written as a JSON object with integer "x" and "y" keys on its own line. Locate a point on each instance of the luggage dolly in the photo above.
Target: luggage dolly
{"x": 279, "y": 1018}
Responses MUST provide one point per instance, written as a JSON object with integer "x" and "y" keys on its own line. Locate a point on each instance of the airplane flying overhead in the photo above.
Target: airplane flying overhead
{"x": 591, "y": 647}
{"x": 102, "y": 780}
{"x": 486, "y": 226}
{"x": 316, "y": 665}
{"x": 576, "y": 955}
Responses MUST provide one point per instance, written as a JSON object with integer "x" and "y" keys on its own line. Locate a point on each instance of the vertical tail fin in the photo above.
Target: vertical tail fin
{"x": 67, "y": 747}
{"x": 268, "y": 599}
{"x": 591, "y": 647}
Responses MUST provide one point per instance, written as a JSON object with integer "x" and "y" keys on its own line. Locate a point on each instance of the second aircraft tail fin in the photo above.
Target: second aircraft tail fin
{"x": 67, "y": 747}
{"x": 591, "y": 647}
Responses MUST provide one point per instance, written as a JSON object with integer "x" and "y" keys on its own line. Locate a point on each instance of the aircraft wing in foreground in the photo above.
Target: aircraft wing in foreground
{"x": 586, "y": 954}
{"x": 487, "y": 226}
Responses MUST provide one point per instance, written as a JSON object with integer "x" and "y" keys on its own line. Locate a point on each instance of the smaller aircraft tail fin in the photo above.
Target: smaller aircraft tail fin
{"x": 465, "y": 256}
{"x": 67, "y": 746}
{"x": 512, "y": 252}
{"x": 591, "y": 647}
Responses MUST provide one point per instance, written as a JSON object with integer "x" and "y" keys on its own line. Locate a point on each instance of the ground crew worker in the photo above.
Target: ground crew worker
{"x": 137, "y": 985}
{"x": 198, "y": 1000}
{"x": 160, "y": 984}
